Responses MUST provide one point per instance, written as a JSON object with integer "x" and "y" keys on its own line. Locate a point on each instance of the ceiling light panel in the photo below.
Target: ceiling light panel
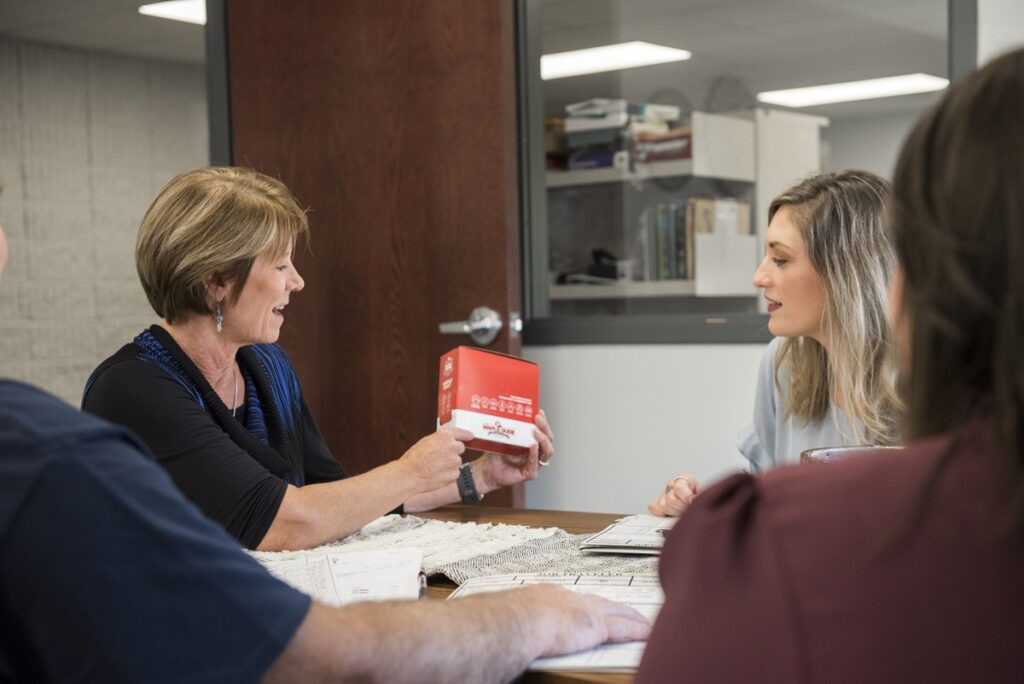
{"x": 192, "y": 11}
{"x": 850, "y": 91}
{"x": 608, "y": 58}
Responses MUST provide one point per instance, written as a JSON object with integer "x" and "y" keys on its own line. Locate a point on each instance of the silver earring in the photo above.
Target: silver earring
{"x": 218, "y": 318}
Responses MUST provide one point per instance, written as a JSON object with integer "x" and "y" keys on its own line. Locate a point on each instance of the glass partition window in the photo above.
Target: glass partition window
{"x": 650, "y": 194}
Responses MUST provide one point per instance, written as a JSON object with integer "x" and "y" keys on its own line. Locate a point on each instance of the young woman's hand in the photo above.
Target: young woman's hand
{"x": 676, "y": 496}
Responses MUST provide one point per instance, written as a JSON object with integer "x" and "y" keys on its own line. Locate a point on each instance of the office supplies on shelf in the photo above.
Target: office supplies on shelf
{"x": 602, "y": 106}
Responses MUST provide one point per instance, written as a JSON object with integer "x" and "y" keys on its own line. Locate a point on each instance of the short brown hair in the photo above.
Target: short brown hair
{"x": 212, "y": 221}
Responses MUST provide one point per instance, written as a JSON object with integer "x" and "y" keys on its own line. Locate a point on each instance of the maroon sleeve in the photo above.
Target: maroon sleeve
{"x": 729, "y": 615}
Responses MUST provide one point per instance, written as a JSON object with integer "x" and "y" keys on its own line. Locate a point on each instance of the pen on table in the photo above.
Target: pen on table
{"x": 423, "y": 587}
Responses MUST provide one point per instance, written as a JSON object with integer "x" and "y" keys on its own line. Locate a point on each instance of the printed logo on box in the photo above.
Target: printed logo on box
{"x": 449, "y": 365}
{"x": 496, "y": 429}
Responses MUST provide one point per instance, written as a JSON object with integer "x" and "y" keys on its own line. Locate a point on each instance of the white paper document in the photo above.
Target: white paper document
{"x": 642, "y": 592}
{"x": 339, "y": 577}
{"x": 643, "y": 534}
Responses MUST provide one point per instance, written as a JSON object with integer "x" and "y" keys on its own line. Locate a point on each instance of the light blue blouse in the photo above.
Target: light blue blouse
{"x": 774, "y": 439}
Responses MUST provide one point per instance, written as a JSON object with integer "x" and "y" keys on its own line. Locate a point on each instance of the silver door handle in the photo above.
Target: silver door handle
{"x": 483, "y": 325}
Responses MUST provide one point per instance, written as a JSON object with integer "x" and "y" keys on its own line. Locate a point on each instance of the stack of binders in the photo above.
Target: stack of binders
{"x": 599, "y": 132}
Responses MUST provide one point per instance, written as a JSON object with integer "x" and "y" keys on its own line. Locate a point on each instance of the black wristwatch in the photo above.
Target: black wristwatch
{"x": 467, "y": 488}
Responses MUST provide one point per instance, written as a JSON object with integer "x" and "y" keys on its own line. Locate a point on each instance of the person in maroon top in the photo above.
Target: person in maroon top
{"x": 882, "y": 568}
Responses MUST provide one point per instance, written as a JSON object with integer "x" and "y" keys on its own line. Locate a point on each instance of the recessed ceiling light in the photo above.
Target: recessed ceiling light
{"x": 192, "y": 11}
{"x": 870, "y": 89}
{"x": 608, "y": 58}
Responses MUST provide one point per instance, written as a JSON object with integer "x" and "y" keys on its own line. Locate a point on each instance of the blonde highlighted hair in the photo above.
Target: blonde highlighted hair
{"x": 212, "y": 223}
{"x": 841, "y": 218}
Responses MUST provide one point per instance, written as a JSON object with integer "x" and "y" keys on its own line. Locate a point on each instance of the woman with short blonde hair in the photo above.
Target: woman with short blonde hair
{"x": 218, "y": 401}
{"x": 212, "y": 220}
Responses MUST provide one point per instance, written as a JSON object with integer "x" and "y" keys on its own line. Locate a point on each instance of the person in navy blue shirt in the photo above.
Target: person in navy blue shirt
{"x": 108, "y": 574}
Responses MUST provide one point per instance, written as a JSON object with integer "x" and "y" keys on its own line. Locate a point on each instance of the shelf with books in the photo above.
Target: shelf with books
{"x": 661, "y": 169}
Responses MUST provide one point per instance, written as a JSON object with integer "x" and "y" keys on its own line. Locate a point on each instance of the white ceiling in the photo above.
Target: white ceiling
{"x": 756, "y": 44}
{"x": 105, "y": 25}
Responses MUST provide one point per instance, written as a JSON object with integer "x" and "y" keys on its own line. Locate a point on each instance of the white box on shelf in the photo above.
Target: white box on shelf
{"x": 725, "y": 264}
{"x": 723, "y": 147}
{"x": 788, "y": 150}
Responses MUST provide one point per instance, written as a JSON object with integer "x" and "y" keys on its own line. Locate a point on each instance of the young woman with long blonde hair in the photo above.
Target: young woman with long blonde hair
{"x": 829, "y": 376}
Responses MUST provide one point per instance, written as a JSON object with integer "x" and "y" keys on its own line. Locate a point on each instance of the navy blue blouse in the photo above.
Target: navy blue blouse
{"x": 235, "y": 469}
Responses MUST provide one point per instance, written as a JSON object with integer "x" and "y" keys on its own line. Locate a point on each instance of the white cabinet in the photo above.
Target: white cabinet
{"x": 787, "y": 150}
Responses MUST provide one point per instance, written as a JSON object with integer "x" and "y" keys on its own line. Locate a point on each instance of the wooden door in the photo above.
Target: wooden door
{"x": 393, "y": 121}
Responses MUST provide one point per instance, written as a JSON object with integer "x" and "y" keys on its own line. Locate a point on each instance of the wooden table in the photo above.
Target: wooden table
{"x": 574, "y": 523}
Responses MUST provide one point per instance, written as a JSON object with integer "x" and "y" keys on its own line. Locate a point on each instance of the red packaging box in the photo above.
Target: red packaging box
{"x": 492, "y": 395}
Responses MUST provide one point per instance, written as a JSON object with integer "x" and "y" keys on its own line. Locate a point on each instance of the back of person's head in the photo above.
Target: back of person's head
{"x": 958, "y": 225}
{"x": 212, "y": 223}
{"x": 841, "y": 218}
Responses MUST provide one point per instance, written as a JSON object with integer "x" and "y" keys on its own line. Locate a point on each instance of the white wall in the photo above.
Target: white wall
{"x": 1000, "y": 27}
{"x": 870, "y": 143}
{"x": 628, "y": 417}
{"x": 86, "y": 140}
{"x": 874, "y": 142}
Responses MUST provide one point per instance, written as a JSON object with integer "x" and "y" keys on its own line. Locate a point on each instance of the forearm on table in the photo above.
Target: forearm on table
{"x": 484, "y": 638}
{"x": 319, "y": 513}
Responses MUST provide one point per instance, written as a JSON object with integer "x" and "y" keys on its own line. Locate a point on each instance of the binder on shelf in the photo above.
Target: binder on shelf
{"x": 703, "y": 214}
{"x": 651, "y": 230}
{"x": 601, "y": 106}
{"x": 720, "y": 215}
{"x": 614, "y": 120}
{"x": 682, "y": 241}
{"x": 664, "y": 242}
{"x": 598, "y": 159}
{"x": 609, "y": 137}
{"x": 666, "y": 146}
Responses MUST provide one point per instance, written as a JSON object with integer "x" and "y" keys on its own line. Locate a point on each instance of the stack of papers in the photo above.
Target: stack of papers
{"x": 340, "y": 577}
{"x": 640, "y": 534}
